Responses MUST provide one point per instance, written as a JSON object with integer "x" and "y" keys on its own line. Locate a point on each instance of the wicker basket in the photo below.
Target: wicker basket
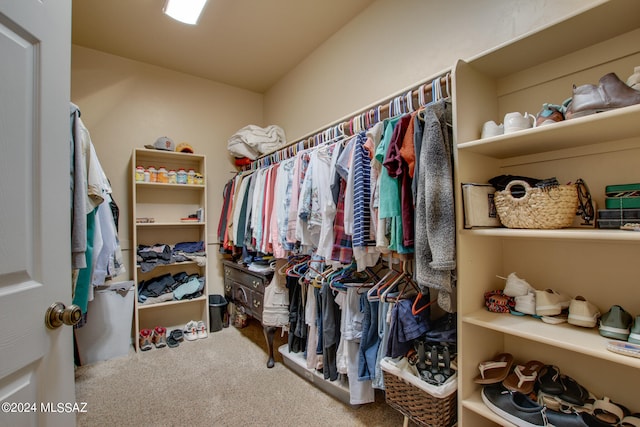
{"x": 546, "y": 208}
{"x": 418, "y": 405}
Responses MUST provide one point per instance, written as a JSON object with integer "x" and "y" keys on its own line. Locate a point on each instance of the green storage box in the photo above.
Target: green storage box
{"x": 622, "y": 196}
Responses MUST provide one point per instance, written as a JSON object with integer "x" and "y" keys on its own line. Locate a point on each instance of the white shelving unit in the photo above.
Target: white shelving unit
{"x": 167, "y": 204}
{"x": 602, "y": 149}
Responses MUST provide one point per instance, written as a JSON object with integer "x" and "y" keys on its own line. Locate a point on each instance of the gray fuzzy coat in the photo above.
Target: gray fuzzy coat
{"x": 435, "y": 249}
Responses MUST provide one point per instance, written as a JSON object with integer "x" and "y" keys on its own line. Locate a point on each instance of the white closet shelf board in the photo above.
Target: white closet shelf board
{"x": 594, "y": 129}
{"x": 603, "y": 21}
{"x": 581, "y": 340}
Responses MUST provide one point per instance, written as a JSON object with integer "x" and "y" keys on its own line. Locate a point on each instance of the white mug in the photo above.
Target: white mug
{"x": 490, "y": 129}
{"x": 515, "y": 121}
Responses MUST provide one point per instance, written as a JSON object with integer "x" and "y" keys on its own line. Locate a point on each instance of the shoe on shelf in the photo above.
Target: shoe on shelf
{"x": 634, "y": 80}
{"x": 583, "y": 313}
{"x": 611, "y": 93}
{"x": 526, "y": 303}
{"x": 201, "y": 330}
{"x": 514, "y": 407}
{"x": 550, "y": 302}
{"x": 191, "y": 331}
{"x": 565, "y": 419}
{"x": 634, "y": 333}
{"x": 609, "y": 412}
{"x": 549, "y": 114}
{"x": 159, "y": 337}
{"x": 144, "y": 339}
{"x": 490, "y": 129}
{"x": 177, "y": 335}
{"x": 632, "y": 420}
{"x": 616, "y": 323}
{"x": 516, "y": 287}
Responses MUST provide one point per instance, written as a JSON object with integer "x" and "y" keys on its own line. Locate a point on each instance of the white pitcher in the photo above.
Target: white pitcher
{"x": 515, "y": 121}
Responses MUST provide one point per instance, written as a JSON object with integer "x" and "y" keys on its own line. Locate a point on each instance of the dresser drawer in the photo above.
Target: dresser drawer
{"x": 249, "y": 280}
{"x": 242, "y": 296}
{"x": 256, "y": 305}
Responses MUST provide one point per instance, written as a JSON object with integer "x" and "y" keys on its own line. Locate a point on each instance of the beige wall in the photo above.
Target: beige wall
{"x": 389, "y": 47}
{"x": 393, "y": 45}
{"x": 127, "y": 104}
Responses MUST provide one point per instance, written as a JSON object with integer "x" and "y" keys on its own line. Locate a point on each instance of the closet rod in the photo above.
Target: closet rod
{"x": 396, "y": 104}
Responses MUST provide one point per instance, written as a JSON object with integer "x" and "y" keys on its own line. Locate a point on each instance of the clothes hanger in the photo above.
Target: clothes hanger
{"x": 384, "y": 291}
{"x": 373, "y": 294}
{"x": 414, "y": 307}
{"x": 409, "y": 101}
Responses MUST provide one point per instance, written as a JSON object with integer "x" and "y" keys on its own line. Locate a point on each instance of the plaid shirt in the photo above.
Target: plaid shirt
{"x": 342, "y": 249}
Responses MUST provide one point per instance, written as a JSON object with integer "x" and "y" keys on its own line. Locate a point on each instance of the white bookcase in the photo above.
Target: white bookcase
{"x": 167, "y": 204}
{"x": 602, "y": 149}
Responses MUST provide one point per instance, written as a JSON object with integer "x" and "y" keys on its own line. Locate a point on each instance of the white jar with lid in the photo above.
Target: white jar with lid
{"x": 181, "y": 176}
{"x": 153, "y": 174}
{"x": 171, "y": 177}
{"x": 162, "y": 175}
{"x": 191, "y": 176}
{"x": 139, "y": 174}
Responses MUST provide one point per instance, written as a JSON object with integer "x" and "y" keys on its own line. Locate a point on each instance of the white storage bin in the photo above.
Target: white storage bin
{"x": 107, "y": 333}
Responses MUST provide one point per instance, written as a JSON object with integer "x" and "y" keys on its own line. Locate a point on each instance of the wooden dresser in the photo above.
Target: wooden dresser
{"x": 245, "y": 288}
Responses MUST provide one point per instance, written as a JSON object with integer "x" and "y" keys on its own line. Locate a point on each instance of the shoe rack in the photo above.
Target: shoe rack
{"x": 166, "y": 204}
{"x": 602, "y": 149}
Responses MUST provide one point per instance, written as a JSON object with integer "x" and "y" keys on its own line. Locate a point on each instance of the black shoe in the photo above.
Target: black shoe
{"x": 562, "y": 419}
{"x": 514, "y": 407}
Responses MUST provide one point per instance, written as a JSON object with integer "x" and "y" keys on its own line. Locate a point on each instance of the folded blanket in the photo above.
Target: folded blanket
{"x": 252, "y": 141}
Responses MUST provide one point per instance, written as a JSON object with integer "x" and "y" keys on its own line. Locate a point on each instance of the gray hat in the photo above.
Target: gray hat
{"x": 162, "y": 143}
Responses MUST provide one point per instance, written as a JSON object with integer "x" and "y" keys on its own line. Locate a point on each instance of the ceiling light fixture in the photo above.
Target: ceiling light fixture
{"x": 187, "y": 11}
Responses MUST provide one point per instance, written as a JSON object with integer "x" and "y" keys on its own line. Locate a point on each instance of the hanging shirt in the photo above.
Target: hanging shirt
{"x": 326, "y": 206}
{"x": 283, "y": 190}
{"x": 240, "y": 193}
{"x": 342, "y": 251}
{"x": 398, "y": 169}
{"x": 363, "y": 246}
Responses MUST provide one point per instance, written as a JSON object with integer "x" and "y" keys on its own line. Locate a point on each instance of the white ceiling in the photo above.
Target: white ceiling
{"x": 245, "y": 43}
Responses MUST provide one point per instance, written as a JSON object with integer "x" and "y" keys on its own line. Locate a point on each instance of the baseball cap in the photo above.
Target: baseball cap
{"x": 183, "y": 147}
{"x": 162, "y": 143}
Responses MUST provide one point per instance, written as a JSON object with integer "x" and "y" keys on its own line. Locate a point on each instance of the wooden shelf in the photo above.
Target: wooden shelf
{"x": 170, "y": 265}
{"x": 171, "y": 224}
{"x": 475, "y": 404}
{"x": 565, "y": 234}
{"x": 566, "y": 336}
{"x": 166, "y": 186}
{"x": 597, "y": 128}
{"x": 169, "y": 303}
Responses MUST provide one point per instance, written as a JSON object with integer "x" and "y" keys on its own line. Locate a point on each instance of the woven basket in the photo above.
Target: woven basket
{"x": 546, "y": 208}
{"x": 419, "y": 406}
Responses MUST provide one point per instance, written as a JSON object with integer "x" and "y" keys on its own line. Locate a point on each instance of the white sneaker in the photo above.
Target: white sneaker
{"x": 516, "y": 287}
{"x": 583, "y": 313}
{"x": 201, "y": 330}
{"x": 634, "y": 80}
{"x": 526, "y": 303}
{"x": 191, "y": 331}
{"x": 551, "y": 303}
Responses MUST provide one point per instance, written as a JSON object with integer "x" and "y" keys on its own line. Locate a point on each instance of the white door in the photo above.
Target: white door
{"x": 36, "y": 363}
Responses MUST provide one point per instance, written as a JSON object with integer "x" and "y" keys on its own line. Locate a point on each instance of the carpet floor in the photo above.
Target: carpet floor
{"x": 218, "y": 381}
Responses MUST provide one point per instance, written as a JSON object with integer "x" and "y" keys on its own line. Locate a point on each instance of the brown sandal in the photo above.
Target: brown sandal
{"x": 523, "y": 377}
{"x": 496, "y": 370}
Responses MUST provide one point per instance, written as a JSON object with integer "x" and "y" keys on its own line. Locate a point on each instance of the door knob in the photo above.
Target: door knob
{"x": 57, "y": 315}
